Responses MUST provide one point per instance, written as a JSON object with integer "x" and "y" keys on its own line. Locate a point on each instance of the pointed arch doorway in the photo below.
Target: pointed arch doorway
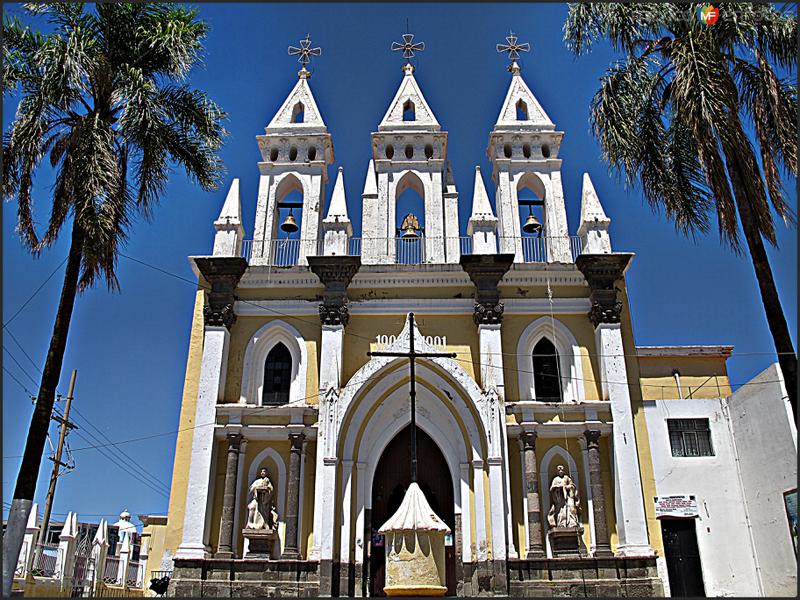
{"x": 392, "y": 478}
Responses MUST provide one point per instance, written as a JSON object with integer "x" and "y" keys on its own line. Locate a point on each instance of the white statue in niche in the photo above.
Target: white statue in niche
{"x": 564, "y": 501}
{"x": 261, "y": 509}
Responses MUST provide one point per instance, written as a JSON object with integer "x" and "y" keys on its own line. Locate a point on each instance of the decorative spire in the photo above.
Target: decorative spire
{"x": 370, "y": 183}
{"x": 337, "y": 211}
{"x": 481, "y": 209}
{"x": 305, "y": 52}
{"x": 409, "y": 47}
{"x": 512, "y": 48}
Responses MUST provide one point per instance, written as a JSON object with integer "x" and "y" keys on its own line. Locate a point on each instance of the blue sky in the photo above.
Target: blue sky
{"x": 130, "y": 347}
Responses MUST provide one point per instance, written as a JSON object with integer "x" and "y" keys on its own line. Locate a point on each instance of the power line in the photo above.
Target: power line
{"x": 21, "y": 368}
{"x": 86, "y": 420}
{"x": 19, "y": 383}
{"x": 33, "y": 295}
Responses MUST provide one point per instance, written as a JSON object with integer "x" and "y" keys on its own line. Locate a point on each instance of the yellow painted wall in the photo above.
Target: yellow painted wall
{"x": 701, "y": 377}
{"x": 243, "y": 331}
{"x": 581, "y": 328}
{"x": 183, "y": 445}
{"x": 462, "y": 337}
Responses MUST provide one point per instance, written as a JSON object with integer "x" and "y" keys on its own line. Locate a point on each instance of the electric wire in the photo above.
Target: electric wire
{"x": 33, "y": 295}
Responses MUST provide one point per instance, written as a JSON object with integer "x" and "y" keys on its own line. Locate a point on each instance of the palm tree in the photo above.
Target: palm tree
{"x": 672, "y": 116}
{"x": 103, "y": 99}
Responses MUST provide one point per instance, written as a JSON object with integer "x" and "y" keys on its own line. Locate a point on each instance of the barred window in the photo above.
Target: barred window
{"x": 690, "y": 437}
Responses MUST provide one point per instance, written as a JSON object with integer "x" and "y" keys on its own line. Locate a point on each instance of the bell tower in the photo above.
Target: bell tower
{"x": 523, "y": 148}
{"x": 409, "y": 150}
{"x": 296, "y": 150}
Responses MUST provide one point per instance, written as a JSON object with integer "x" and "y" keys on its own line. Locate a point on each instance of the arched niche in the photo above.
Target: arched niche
{"x": 273, "y": 462}
{"x": 569, "y": 359}
{"x": 255, "y": 356}
{"x": 557, "y": 455}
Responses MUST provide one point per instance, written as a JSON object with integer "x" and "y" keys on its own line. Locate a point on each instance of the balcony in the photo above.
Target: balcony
{"x": 399, "y": 250}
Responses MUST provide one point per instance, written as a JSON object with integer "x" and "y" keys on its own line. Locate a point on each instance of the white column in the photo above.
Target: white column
{"x": 330, "y": 367}
{"x": 480, "y": 511}
{"x": 491, "y": 349}
{"x": 24, "y": 562}
{"x": 497, "y": 503}
{"x": 124, "y": 559}
{"x": 238, "y": 504}
{"x": 557, "y": 240}
{"x": 325, "y": 475}
{"x": 360, "y": 508}
{"x": 347, "y": 505}
{"x": 466, "y": 512}
{"x": 631, "y": 519}
{"x": 212, "y": 385}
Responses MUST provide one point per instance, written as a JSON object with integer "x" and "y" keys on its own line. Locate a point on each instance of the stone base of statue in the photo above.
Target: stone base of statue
{"x": 566, "y": 542}
{"x": 414, "y": 541}
{"x": 260, "y": 542}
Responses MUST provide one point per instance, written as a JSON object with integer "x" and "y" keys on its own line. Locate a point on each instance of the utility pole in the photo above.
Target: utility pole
{"x": 51, "y": 491}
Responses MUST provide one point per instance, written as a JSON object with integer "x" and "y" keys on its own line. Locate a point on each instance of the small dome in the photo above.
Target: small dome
{"x": 125, "y": 515}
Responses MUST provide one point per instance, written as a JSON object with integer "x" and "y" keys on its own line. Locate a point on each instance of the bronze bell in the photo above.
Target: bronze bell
{"x": 410, "y": 227}
{"x": 532, "y": 225}
{"x": 289, "y": 224}
{"x": 409, "y": 233}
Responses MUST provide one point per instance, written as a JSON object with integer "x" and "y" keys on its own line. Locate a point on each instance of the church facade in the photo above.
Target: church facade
{"x": 544, "y": 378}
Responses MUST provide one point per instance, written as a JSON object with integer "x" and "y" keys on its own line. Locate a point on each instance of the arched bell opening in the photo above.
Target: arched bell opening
{"x": 530, "y": 199}
{"x": 409, "y": 220}
{"x": 288, "y": 222}
{"x": 391, "y": 480}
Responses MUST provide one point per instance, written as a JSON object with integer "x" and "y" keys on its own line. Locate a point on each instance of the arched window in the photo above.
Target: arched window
{"x": 546, "y": 376}
{"x": 277, "y": 376}
{"x": 409, "y": 114}
{"x": 522, "y": 110}
{"x": 298, "y": 113}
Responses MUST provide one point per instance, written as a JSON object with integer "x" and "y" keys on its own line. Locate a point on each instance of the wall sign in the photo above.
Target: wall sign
{"x": 383, "y": 342}
{"x": 681, "y": 506}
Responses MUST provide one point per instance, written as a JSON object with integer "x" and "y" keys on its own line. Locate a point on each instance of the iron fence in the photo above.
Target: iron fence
{"x": 413, "y": 250}
{"x": 45, "y": 558}
{"x": 111, "y": 572}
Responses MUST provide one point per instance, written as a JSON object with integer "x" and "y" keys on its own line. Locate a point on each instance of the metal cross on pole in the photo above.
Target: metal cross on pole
{"x": 412, "y": 355}
{"x": 512, "y": 48}
{"x": 409, "y": 46}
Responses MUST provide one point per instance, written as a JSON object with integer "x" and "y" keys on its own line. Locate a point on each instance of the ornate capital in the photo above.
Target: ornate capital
{"x": 335, "y": 273}
{"x": 296, "y": 440}
{"x": 486, "y": 271}
{"x": 488, "y": 313}
{"x": 608, "y": 311}
{"x": 528, "y": 440}
{"x": 223, "y": 274}
{"x": 334, "y": 314}
{"x": 220, "y": 316}
{"x": 234, "y": 441}
{"x": 602, "y": 271}
{"x": 592, "y": 438}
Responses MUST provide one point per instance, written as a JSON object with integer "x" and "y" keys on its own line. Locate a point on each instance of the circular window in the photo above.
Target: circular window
{"x": 292, "y": 153}
{"x": 428, "y": 151}
{"x": 389, "y": 151}
{"x": 507, "y": 150}
{"x": 545, "y": 150}
{"x": 409, "y": 151}
{"x": 273, "y": 154}
{"x": 312, "y": 153}
{"x": 526, "y": 150}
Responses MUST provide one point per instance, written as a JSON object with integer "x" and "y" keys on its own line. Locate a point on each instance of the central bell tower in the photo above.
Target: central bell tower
{"x": 409, "y": 150}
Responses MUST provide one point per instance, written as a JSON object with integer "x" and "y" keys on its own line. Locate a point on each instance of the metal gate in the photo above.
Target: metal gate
{"x": 83, "y": 572}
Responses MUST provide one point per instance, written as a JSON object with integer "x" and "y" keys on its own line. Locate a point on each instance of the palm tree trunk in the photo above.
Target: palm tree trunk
{"x": 40, "y": 422}
{"x": 766, "y": 282}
